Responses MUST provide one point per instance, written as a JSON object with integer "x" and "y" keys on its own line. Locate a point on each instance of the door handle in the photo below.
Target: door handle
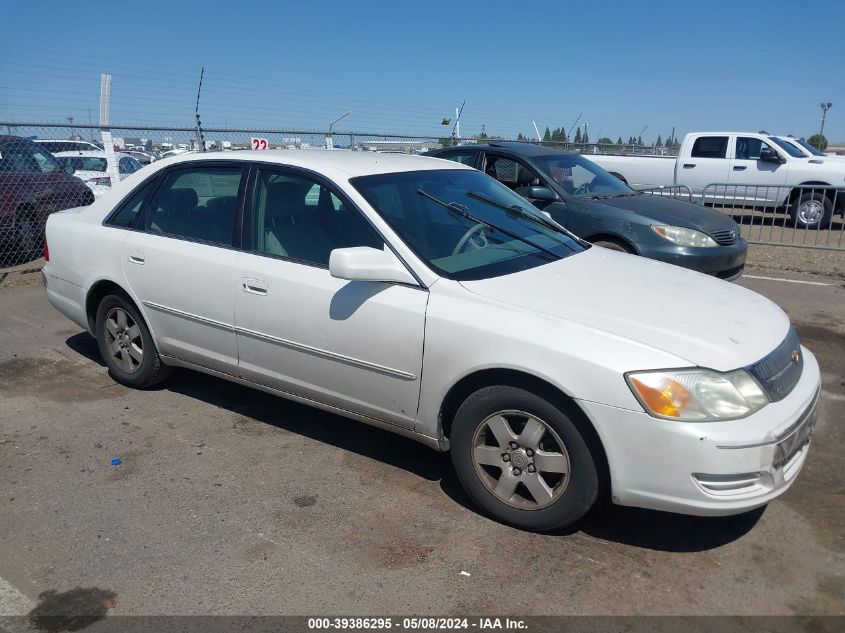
{"x": 740, "y": 167}
{"x": 689, "y": 165}
{"x": 255, "y": 286}
{"x": 136, "y": 257}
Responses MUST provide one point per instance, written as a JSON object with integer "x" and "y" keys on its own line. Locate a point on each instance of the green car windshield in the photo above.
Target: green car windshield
{"x": 429, "y": 210}
{"x": 581, "y": 177}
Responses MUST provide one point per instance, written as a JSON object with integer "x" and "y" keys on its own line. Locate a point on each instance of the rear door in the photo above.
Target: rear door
{"x": 354, "y": 345}
{"x": 181, "y": 262}
{"x": 707, "y": 164}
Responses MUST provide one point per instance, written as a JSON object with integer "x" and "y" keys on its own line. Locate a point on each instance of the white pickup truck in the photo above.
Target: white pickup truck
{"x": 748, "y": 169}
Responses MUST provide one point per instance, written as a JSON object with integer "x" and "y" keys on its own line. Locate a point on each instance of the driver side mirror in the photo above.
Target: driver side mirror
{"x": 544, "y": 194}
{"x": 770, "y": 156}
{"x": 362, "y": 263}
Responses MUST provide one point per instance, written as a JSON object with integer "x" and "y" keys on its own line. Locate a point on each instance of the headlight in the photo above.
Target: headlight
{"x": 700, "y": 395}
{"x": 684, "y": 237}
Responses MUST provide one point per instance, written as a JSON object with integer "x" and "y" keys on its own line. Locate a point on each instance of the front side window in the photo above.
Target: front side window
{"x": 512, "y": 235}
{"x": 710, "y": 147}
{"x": 748, "y": 148}
{"x": 27, "y": 158}
{"x": 297, "y": 217}
{"x": 197, "y": 203}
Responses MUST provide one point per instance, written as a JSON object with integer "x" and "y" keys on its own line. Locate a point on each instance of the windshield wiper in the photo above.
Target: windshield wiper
{"x": 515, "y": 208}
{"x": 456, "y": 208}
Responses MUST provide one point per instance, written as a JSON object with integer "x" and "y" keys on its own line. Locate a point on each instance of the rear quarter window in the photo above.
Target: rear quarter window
{"x": 710, "y": 147}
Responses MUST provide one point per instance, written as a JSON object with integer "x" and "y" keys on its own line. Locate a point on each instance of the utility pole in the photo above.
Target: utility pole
{"x": 105, "y": 132}
{"x": 456, "y": 131}
{"x": 73, "y": 133}
{"x": 200, "y": 139}
{"x": 483, "y": 130}
{"x": 825, "y": 107}
{"x": 329, "y": 136}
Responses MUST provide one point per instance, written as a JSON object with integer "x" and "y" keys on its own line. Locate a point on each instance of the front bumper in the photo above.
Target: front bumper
{"x": 712, "y": 468}
{"x": 725, "y": 262}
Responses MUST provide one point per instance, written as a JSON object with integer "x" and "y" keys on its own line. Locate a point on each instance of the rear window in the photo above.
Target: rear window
{"x": 86, "y": 163}
{"x": 710, "y": 147}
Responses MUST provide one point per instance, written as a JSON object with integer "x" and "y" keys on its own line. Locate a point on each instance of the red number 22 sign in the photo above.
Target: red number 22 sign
{"x": 259, "y": 143}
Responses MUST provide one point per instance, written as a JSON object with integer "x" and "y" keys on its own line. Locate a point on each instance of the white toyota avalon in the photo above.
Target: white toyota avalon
{"x": 424, "y": 297}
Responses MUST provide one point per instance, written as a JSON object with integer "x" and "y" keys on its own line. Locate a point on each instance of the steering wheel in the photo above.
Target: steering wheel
{"x": 585, "y": 187}
{"x": 475, "y": 237}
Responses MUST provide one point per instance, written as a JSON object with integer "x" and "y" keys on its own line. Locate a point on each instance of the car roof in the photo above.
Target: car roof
{"x": 521, "y": 148}
{"x": 351, "y": 163}
{"x": 98, "y": 153}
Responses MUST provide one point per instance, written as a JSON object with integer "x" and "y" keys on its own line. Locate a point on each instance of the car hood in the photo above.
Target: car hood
{"x": 704, "y": 320}
{"x": 665, "y": 210}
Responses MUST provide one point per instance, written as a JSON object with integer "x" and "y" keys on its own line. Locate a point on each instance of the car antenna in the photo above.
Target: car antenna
{"x": 200, "y": 139}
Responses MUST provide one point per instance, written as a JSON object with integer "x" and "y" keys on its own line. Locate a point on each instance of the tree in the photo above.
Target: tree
{"x": 578, "y": 138}
{"x": 520, "y": 137}
{"x": 619, "y": 141}
{"x": 659, "y": 141}
{"x": 640, "y": 140}
{"x": 585, "y": 139}
{"x": 547, "y": 135}
{"x": 445, "y": 142}
{"x": 819, "y": 142}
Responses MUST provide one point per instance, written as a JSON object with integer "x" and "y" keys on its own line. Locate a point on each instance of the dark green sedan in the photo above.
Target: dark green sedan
{"x": 600, "y": 208}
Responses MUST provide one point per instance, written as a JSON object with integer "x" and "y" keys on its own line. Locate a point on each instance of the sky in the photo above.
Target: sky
{"x": 403, "y": 67}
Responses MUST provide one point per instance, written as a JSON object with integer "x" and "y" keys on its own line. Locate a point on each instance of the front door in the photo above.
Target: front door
{"x": 181, "y": 264}
{"x": 349, "y": 344}
{"x": 746, "y": 167}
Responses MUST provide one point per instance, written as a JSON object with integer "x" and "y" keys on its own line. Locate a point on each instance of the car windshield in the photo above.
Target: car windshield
{"x": 581, "y": 177}
{"x": 814, "y": 151}
{"x": 788, "y": 147}
{"x": 429, "y": 210}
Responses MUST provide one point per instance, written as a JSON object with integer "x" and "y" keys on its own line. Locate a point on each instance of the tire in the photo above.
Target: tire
{"x": 614, "y": 245}
{"x": 126, "y": 344}
{"x": 552, "y": 472}
{"x": 87, "y": 198}
{"x": 29, "y": 235}
{"x": 812, "y": 210}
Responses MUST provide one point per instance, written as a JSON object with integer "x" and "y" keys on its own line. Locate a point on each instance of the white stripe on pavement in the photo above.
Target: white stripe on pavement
{"x": 12, "y": 601}
{"x": 789, "y": 281}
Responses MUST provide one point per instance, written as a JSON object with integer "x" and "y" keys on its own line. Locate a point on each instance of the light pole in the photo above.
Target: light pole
{"x": 825, "y": 108}
{"x": 329, "y": 138}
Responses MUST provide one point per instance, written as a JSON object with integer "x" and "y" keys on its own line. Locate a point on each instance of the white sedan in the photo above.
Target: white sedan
{"x": 91, "y": 167}
{"x": 423, "y": 297}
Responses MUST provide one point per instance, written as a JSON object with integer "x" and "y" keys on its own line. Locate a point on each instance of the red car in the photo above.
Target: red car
{"x": 32, "y": 186}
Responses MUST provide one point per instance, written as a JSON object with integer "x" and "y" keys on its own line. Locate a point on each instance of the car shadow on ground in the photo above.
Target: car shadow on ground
{"x": 648, "y": 529}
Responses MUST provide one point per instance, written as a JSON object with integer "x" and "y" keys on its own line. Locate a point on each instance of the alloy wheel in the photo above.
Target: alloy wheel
{"x": 123, "y": 340}
{"x": 520, "y": 459}
{"x": 810, "y": 212}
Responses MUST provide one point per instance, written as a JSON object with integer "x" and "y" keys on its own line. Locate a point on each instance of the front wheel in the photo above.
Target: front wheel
{"x": 126, "y": 344}
{"x": 522, "y": 459}
{"x": 811, "y": 210}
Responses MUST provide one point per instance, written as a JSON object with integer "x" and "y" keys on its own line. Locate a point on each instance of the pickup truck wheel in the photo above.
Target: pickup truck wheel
{"x": 126, "y": 344}
{"x": 522, "y": 459}
{"x": 614, "y": 246}
{"x": 811, "y": 210}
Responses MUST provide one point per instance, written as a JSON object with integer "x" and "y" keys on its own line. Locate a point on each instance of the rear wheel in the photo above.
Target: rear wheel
{"x": 30, "y": 235}
{"x": 522, "y": 459}
{"x": 811, "y": 210}
{"x": 126, "y": 344}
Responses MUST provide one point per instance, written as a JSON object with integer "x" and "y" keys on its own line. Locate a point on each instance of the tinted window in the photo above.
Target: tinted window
{"x": 128, "y": 212}
{"x": 299, "y": 218}
{"x": 464, "y": 158}
{"x": 451, "y": 243}
{"x": 509, "y": 172}
{"x": 26, "y": 158}
{"x": 197, "y": 203}
{"x": 710, "y": 147}
{"x": 581, "y": 177}
{"x": 749, "y": 148}
{"x": 86, "y": 163}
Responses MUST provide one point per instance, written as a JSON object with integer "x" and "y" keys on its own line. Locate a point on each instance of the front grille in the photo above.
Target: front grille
{"x": 726, "y": 237}
{"x": 779, "y": 372}
{"x": 730, "y": 273}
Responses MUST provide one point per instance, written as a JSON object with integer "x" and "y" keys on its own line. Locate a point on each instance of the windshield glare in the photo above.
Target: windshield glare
{"x": 581, "y": 177}
{"x": 453, "y": 245}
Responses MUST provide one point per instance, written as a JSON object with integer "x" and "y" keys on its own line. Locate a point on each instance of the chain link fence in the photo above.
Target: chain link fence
{"x": 45, "y": 168}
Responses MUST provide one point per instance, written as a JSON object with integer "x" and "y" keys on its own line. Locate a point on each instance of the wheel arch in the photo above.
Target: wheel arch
{"x": 492, "y": 377}
{"x": 613, "y": 237}
{"x": 97, "y": 292}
